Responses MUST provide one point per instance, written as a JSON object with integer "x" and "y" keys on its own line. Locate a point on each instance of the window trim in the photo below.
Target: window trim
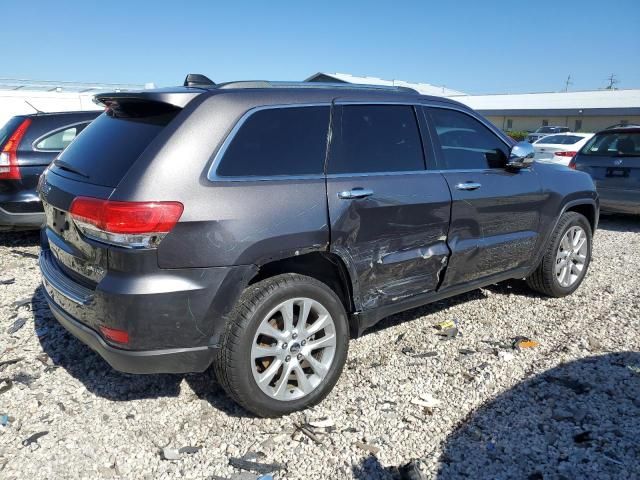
{"x": 421, "y": 134}
{"x": 51, "y": 133}
{"x": 212, "y": 173}
{"x": 442, "y": 164}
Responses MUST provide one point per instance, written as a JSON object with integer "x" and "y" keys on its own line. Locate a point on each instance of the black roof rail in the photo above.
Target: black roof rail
{"x": 312, "y": 85}
{"x": 198, "y": 80}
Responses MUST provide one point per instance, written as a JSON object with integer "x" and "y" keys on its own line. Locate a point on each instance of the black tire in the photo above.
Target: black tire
{"x": 232, "y": 364}
{"x": 544, "y": 279}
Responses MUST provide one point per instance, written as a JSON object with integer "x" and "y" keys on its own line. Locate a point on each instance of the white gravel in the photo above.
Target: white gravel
{"x": 567, "y": 408}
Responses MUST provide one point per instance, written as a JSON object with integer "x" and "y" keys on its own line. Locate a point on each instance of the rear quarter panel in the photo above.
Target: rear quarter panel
{"x": 231, "y": 222}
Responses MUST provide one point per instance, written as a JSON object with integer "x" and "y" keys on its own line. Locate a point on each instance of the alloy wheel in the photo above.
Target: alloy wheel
{"x": 293, "y": 349}
{"x": 571, "y": 256}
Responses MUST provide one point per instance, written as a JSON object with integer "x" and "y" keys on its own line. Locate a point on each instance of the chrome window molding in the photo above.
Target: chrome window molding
{"x": 212, "y": 175}
{"x": 53, "y": 132}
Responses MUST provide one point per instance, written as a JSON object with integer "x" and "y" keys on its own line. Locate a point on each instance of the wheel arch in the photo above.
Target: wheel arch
{"x": 327, "y": 267}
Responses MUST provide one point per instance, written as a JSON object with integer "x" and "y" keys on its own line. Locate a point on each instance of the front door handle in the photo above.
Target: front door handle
{"x": 355, "y": 193}
{"x": 468, "y": 186}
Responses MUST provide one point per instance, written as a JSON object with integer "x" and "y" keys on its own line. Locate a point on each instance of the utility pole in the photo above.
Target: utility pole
{"x": 567, "y": 83}
{"x": 613, "y": 81}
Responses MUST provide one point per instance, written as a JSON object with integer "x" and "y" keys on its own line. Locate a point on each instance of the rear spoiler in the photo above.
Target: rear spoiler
{"x": 175, "y": 97}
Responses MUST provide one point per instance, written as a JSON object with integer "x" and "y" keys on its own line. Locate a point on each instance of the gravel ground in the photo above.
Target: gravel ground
{"x": 469, "y": 407}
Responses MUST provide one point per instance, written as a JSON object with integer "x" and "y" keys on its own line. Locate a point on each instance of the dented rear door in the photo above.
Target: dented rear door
{"x": 389, "y": 215}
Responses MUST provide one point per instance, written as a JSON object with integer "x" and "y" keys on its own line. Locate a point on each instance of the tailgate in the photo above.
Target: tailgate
{"x": 82, "y": 259}
{"x": 611, "y": 172}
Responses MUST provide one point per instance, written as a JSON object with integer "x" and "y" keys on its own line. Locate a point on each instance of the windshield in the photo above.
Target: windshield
{"x": 548, "y": 130}
{"x": 619, "y": 144}
{"x": 560, "y": 139}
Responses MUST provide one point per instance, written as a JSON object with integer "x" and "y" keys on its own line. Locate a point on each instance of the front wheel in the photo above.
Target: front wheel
{"x": 284, "y": 346}
{"x": 566, "y": 260}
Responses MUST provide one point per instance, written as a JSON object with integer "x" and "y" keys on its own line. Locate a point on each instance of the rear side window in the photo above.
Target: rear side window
{"x": 8, "y": 128}
{"x": 376, "y": 138}
{"x": 613, "y": 144}
{"x": 465, "y": 142}
{"x": 278, "y": 141}
{"x": 560, "y": 139}
{"x": 58, "y": 141}
{"x": 110, "y": 145}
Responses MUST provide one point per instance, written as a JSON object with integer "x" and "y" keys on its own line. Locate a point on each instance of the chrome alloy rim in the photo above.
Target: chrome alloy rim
{"x": 571, "y": 257}
{"x": 293, "y": 349}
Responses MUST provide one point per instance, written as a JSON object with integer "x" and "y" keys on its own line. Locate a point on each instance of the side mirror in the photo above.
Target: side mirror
{"x": 521, "y": 155}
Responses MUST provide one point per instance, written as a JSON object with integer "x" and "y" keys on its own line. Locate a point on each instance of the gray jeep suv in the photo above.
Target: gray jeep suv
{"x": 255, "y": 227}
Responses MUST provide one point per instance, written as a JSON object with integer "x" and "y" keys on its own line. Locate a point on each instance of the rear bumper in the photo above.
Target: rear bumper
{"x": 619, "y": 200}
{"x": 174, "y": 360}
{"x": 174, "y": 318}
{"x": 20, "y": 205}
{"x": 29, "y": 220}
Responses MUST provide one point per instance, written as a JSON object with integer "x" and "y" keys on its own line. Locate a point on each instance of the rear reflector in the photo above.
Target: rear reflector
{"x": 566, "y": 154}
{"x": 9, "y": 169}
{"x": 127, "y": 224}
{"x": 115, "y": 335}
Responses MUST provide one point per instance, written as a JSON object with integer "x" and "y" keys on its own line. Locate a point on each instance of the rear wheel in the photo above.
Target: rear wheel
{"x": 566, "y": 259}
{"x": 284, "y": 346}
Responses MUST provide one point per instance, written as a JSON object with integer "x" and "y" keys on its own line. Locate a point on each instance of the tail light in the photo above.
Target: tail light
{"x": 125, "y": 224}
{"x": 9, "y": 169}
{"x": 572, "y": 163}
{"x": 566, "y": 154}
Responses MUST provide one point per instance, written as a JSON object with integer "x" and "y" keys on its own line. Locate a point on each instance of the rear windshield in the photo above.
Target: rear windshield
{"x": 551, "y": 130}
{"x": 613, "y": 144}
{"x": 560, "y": 139}
{"x": 8, "y": 128}
{"x": 105, "y": 150}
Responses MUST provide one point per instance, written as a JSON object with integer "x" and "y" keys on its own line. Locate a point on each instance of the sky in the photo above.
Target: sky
{"x": 474, "y": 46}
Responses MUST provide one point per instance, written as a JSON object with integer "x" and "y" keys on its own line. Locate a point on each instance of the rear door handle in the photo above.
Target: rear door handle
{"x": 468, "y": 186}
{"x": 355, "y": 193}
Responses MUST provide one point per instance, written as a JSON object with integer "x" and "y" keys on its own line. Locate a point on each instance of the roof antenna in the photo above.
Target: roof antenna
{"x": 198, "y": 80}
{"x": 38, "y": 111}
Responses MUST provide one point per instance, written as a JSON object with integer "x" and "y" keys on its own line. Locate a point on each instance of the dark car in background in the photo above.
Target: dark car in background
{"x": 28, "y": 143}
{"x": 544, "y": 131}
{"x": 612, "y": 158}
{"x": 256, "y": 226}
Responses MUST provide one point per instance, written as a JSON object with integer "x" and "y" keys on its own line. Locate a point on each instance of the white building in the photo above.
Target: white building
{"x": 18, "y": 97}
{"x": 423, "y": 88}
{"x": 586, "y": 111}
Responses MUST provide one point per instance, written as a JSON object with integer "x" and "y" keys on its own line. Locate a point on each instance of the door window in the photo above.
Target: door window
{"x": 58, "y": 141}
{"x": 278, "y": 141}
{"x": 376, "y": 138}
{"x": 465, "y": 142}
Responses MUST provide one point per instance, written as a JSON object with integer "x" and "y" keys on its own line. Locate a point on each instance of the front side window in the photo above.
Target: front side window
{"x": 465, "y": 142}
{"x": 375, "y": 139}
{"x": 278, "y": 141}
{"x": 61, "y": 139}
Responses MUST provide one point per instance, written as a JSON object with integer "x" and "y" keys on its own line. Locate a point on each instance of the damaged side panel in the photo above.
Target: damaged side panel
{"x": 394, "y": 241}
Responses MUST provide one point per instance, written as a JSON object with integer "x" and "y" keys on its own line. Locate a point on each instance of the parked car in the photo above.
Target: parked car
{"x": 28, "y": 143}
{"x": 612, "y": 158}
{"x": 257, "y": 226}
{"x": 560, "y": 148}
{"x": 544, "y": 131}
